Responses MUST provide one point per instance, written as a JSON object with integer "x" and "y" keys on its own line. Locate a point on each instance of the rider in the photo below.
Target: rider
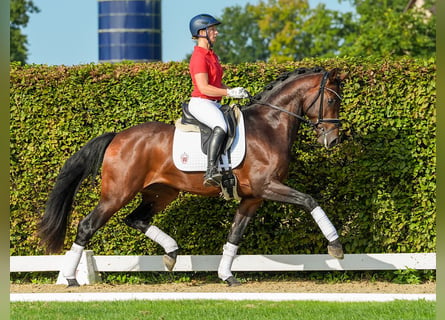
{"x": 206, "y": 73}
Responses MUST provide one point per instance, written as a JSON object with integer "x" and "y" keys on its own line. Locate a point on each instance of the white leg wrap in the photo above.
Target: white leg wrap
{"x": 324, "y": 223}
{"x": 163, "y": 239}
{"x": 225, "y": 264}
{"x": 71, "y": 261}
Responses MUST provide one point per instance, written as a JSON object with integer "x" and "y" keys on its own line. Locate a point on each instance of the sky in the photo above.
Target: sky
{"x": 65, "y": 32}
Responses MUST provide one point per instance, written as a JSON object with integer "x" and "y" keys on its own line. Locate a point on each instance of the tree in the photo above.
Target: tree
{"x": 390, "y": 28}
{"x": 280, "y": 21}
{"x": 296, "y": 31}
{"x": 286, "y": 30}
{"x": 239, "y": 38}
{"x": 19, "y": 10}
{"x": 324, "y": 32}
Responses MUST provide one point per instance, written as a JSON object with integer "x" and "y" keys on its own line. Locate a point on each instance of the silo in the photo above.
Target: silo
{"x": 130, "y": 30}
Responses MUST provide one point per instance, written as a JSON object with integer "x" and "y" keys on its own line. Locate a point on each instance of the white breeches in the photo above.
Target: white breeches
{"x": 207, "y": 112}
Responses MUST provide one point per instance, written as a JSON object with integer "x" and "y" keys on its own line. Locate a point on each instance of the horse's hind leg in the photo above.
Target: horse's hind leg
{"x": 155, "y": 199}
{"x": 85, "y": 230}
{"x": 245, "y": 212}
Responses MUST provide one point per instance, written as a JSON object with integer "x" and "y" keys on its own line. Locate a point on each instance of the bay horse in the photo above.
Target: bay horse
{"x": 138, "y": 160}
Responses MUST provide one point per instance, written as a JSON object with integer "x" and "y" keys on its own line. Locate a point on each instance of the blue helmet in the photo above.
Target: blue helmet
{"x": 201, "y": 21}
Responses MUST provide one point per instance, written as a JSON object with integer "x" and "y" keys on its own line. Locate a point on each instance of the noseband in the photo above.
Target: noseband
{"x": 320, "y": 110}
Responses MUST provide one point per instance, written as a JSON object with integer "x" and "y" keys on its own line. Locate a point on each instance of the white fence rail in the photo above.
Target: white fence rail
{"x": 91, "y": 265}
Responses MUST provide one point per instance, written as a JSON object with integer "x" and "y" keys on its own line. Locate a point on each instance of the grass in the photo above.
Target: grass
{"x": 219, "y": 310}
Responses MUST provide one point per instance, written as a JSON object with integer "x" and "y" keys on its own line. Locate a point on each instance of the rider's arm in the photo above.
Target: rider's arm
{"x": 202, "y": 81}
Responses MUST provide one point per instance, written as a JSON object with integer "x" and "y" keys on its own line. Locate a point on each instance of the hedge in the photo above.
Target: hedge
{"x": 378, "y": 186}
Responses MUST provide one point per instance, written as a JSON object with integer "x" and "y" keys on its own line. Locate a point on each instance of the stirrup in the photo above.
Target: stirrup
{"x": 212, "y": 177}
{"x": 212, "y": 181}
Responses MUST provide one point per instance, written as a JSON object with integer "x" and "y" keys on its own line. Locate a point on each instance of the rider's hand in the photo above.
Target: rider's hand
{"x": 237, "y": 93}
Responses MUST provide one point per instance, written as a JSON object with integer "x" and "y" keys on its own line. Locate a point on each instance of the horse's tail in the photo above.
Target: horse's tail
{"x": 85, "y": 162}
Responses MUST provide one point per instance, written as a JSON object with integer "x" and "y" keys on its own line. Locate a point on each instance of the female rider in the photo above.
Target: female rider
{"x": 206, "y": 73}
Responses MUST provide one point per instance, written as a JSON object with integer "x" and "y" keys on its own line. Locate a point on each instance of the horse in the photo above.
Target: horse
{"x": 138, "y": 160}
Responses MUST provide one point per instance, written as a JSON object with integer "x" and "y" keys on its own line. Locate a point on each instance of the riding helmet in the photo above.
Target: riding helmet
{"x": 201, "y": 21}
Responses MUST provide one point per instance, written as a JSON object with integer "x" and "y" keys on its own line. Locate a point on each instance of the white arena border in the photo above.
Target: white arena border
{"x": 233, "y": 296}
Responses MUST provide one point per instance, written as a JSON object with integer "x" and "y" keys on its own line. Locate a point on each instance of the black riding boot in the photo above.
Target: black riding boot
{"x": 212, "y": 176}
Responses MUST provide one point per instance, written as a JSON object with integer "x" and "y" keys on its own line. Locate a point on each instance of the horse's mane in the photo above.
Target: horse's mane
{"x": 291, "y": 75}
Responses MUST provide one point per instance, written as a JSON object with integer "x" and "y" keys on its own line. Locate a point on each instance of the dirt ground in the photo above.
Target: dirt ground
{"x": 251, "y": 286}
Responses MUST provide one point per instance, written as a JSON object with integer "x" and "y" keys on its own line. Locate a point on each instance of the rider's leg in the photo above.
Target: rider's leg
{"x": 212, "y": 176}
{"x": 208, "y": 113}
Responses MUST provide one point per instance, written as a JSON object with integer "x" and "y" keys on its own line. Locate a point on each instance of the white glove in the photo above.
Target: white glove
{"x": 237, "y": 93}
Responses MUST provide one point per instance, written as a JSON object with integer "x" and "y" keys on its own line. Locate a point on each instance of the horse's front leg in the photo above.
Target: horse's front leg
{"x": 277, "y": 191}
{"x": 245, "y": 212}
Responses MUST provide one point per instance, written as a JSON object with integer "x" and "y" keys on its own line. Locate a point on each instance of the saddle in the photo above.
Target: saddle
{"x": 189, "y": 123}
{"x": 232, "y": 115}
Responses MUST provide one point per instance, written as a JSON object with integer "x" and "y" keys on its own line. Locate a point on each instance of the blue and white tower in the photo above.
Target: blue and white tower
{"x": 130, "y": 30}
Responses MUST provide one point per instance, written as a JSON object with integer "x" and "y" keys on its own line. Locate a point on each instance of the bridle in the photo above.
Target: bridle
{"x": 320, "y": 110}
{"x": 320, "y": 95}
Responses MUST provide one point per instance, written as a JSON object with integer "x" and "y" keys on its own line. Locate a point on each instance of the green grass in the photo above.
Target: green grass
{"x": 218, "y": 310}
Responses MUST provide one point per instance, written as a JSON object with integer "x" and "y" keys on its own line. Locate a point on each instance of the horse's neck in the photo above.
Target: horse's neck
{"x": 286, "y": 116}
{"x": 273, "y": 125}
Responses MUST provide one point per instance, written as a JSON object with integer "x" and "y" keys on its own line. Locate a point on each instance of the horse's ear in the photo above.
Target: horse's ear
{"x": 336, "y": 75}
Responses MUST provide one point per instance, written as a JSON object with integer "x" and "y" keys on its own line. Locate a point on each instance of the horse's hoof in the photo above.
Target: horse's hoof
{"x": 232, "y": 282}
{"x": 169, "y": 260}
{"x": 335, "y": 249}
{"x": 72, "y": 283}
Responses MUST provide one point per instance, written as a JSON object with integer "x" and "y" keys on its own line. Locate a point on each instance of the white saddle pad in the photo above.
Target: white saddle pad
{"x": 187, "y": 154}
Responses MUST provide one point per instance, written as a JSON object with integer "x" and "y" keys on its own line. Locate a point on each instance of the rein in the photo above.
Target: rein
{"x": 280, "y": 109}
{"x": 320, "y": 113}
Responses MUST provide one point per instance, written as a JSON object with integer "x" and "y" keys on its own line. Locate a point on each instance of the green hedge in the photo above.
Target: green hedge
{"x": 378, "y": 186}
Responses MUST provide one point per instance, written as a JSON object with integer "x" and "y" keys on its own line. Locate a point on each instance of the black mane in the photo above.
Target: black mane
{"x": 297, "y": 73}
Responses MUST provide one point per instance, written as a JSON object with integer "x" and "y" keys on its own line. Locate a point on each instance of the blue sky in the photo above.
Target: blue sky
{"x": 65, "y": 31}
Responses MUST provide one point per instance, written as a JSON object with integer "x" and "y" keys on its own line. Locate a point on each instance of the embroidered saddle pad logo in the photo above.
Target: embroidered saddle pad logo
{"x": 188, "y": 156}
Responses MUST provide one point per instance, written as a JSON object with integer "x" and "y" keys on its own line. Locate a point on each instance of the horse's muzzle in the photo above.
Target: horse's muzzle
{"x": 330, "y": 138}
{"x": 333, "y": 143}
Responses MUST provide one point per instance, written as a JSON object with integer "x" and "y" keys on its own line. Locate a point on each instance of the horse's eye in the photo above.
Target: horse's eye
{"x": 331, "y": 100}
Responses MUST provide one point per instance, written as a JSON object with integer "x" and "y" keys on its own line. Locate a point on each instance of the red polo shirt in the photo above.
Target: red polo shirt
{"x": 205, "y": 61}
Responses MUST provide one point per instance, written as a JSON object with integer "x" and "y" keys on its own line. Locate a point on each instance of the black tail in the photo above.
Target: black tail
{"x": 85, "y": 162}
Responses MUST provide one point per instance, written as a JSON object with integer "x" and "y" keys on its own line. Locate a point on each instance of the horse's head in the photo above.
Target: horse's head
{"x": 311, "y": 96}
{"x": 321, "y": 105}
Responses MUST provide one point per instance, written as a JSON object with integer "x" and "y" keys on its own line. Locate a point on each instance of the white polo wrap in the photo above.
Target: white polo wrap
{"x": 324, "y": 223}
